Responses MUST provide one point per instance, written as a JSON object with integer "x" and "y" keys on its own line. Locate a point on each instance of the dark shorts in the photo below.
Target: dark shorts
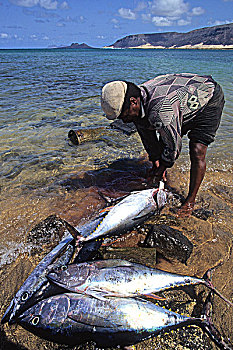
{"x": 203, "y": 126}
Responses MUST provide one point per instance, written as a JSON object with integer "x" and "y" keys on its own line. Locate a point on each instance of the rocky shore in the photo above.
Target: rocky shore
{"x": 209, "y": 230}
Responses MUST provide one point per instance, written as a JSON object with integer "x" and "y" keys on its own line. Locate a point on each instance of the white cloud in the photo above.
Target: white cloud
{"x": 146, "y": 17}
{"x": 219, "y": 22}
{"x": 64, "y": 6}
{"x": 127, "y": 13}
{"x": 45, "y": 37}
{"x": 82, "y": 19}
{"x": 47, "y": 4}
{"x": 197, "y": 11}
{"x": 169, "y": 8}
{"x": 4, "y": 36}
{"x": 100, "y": 37}
{"x": 114, "y": 20}
{"x": 140, "y": 6}
{"x": 183, "y": 22}
{"x": 161, "y": 21}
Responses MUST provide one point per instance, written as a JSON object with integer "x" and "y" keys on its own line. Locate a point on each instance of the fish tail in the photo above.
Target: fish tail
{"x": 209, "y": 284}
{"x": 215, "y": 335}
{"x": 207, "y": 281}
{"x": 208, "y": 327}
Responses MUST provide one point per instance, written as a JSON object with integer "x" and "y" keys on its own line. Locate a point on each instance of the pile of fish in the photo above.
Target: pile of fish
{"x": 102, "y": 301}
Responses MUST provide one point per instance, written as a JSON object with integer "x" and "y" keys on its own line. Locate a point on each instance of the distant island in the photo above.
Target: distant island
{"x": 217, "y": 37}
{"x": 72, "y": 46}
{"x": 77, "y": 46}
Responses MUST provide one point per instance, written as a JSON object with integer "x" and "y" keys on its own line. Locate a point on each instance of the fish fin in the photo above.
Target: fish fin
{"x": 102, "y": 295}
{"x": 153, "y": 296}
{"x": 140, "y": 217}
{"x": 53, "y": 280}
{"x": 107, "y": 209}
{"x": 112, "y": 263}
{"x": 72, "y": 230}
{"x": 95, "y": 322}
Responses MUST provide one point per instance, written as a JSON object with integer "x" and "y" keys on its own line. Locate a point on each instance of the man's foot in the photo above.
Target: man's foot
{"x": 186, "y": 210}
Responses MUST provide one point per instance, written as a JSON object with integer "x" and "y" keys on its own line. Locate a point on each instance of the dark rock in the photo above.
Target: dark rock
{"x": 49, "y": 230}
{"x": 202, "y": 213}
{"x": 169, "y": 242}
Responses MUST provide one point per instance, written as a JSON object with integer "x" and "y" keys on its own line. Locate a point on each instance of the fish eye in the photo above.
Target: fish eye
{"x": 35, "y": 320}
{"x": 24, "y": 296}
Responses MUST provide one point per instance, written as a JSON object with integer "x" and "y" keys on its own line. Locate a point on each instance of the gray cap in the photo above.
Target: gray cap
{"x": 112, "y": 98}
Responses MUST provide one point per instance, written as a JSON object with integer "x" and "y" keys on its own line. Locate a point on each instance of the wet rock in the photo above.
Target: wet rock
{"x": 49, "y": 230}
{"x": 202, "y": 213}
{"x": 134, "y": 254}
{"x": 171, "y": 243}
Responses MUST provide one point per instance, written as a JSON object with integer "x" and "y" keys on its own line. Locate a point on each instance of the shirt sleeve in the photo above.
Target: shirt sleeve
{"x": 171, "y": 138}
{"x": 151, "y": 143}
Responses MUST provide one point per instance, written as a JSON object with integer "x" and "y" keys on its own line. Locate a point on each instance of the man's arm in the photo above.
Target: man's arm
{"x": 152, "y": 145}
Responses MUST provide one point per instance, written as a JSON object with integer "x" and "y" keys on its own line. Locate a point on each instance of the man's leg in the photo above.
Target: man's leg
{"x": 197, "y": 172}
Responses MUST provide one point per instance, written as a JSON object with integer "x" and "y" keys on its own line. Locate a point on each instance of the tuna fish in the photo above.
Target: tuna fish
{"x": 115, "y": 277}
{"x": 36, "y": 287}
{"x": 132, "y": 210}
{"x": 129, "y": 212}
{"x": 76, "y": 318}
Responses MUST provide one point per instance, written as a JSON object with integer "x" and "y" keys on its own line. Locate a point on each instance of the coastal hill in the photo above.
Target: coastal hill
{"x": 219, "y": 37}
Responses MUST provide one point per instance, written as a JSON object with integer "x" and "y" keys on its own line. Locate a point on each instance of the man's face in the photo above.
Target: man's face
{"x": 132, "y": 113}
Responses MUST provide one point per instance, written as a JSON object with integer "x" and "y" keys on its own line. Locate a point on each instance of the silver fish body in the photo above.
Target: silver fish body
{"x": 129, "y": 212}
{"x": 75, "y": 318}
{"x": 37, "y": 286}
{"x": 117, "y": 277}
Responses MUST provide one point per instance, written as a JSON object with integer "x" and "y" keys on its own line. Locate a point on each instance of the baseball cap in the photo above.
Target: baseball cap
{"x": 112, "y": 98}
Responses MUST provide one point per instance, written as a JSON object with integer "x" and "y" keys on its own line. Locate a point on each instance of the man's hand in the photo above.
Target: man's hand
{"x": 156, "y": 173}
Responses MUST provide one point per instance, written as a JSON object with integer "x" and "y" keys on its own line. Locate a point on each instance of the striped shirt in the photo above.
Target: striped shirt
{"x": 169, "y": 102}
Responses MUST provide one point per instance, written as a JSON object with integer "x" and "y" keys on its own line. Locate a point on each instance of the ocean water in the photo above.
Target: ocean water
{"x": 45, "y": 93}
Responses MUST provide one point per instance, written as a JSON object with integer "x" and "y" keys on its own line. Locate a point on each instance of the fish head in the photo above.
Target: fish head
{"x": 71, "y": 276}
{"x": 33, "y": 289}
{"x": 23, "y": 299}
{"x": 157, "y": 196}
{"x": 48, "y": 315}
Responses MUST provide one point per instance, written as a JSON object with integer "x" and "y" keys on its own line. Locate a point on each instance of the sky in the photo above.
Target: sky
{"x": 98, "y": 23}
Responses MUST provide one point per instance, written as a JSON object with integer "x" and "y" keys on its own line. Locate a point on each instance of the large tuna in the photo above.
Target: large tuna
{"x": 115, "y": 277}
{"x": 76, "y": 318}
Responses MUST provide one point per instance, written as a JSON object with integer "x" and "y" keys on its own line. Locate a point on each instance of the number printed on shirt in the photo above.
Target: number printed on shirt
{"x": 193, "y": 102}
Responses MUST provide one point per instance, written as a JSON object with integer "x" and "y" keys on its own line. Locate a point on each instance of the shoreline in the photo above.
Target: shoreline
{"x": 199, "y": 46}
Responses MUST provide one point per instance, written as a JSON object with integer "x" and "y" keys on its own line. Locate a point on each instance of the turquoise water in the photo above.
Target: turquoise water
{"x": 45, "y": 93}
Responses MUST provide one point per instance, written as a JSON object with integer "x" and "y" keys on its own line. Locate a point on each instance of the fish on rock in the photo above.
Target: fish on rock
{"x": 37, "y": 286}
{"x": 74, "y": 319}
{"x": 115, "y": 277}
{"x": 128, "y": 213}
